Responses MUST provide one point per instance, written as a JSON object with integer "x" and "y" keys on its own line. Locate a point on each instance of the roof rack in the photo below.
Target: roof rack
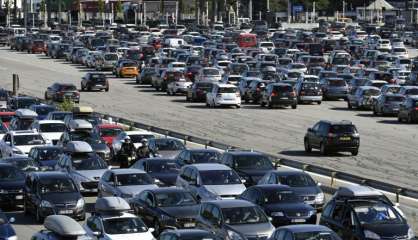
{"x": 63, "y": 226}
{"x": 239, "y": 150}
{"x": 112, "y": 205}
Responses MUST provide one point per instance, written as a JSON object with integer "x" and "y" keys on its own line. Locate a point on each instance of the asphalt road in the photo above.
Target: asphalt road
{"x": 388, "y": 149}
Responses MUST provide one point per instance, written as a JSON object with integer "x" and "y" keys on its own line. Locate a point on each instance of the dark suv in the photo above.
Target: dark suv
{"x": 330, "y": 136}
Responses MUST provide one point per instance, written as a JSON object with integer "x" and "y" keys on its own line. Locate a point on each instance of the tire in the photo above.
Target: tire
{"x": 107, "y": 89}
{"x": 349, "y": 105}
{"x": 157, "y": 228}
{"x": 46, "y": 96}
{"x": 354, "y": 152}
{"x": 308, "y": 147}
{"x": 207, "y": 104}
{"x": 269, "y": 105}
{"x": 323, "y": 149}
{"x": 38, "y": 216}
{"x": 319, "y": 102}
{"x": 374, "y": 111}
{"x": 294, "y": 106}
{"x": 399, "y": 119}
{"x": 409, "y": 119}
{"x": 238, "y": 106}
{"x": 262, "y": 104}
{"x": 89, "y": 88}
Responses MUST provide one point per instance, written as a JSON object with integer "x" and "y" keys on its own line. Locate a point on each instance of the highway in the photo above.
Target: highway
{"x": 387, "y": 150}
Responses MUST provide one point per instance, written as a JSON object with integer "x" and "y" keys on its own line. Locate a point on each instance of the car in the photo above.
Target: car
{"x": 6, "y": 229}
{"x": 166, "y": 208}
{"x": 168, "y": 76}
{"x": 388, "y": 104}
{"x": 250, "y": 166}
{"x": 50, "y": 193}
{"x": 59, "y": 227}
{"x": 192, "y": 156}
{"x": 36, "y": 46}
{"x": 408, "y": 110}
{"x": 365, "y": 219}
{"x": 83, "y": 165}
{"x": 308, "y": 92}
{"x": 12, "y": 182}
{"x": 187, "y": 234}
{"x": 124, "y": 183}
{"x": 146, "y": 75}
{"x": 6, "y": 117}
{"x": 304, "y": 231}
{"x": 223, "y": 95}
{"x": 95, "y": 81}
{"x": 198, "y": 90}
{"x": 107, "y": 132}
{"x": 300, "y": 182}
{"x": 234, "y": 219}
{"x": 209, "y": 74}
{"x": 20, "y": 142}
{"x": 400, "y": 52}
{"x": 106, "y": 61}
{"x": 61, "y": 91}
{"x": 278, "y": 94}
{"x": 23, "y": 163}
{"x": 23, "y": 119}
{"x": 112, "y": 220}
{"x": 163, "y": 170}
{"x": 21, "y": 102}
{"x": 254, "y": 91}
{"x": 208, "y": 181}
{"x": 333, "y": 136}
{"x": 50, "y": 130}
{"x": 409, "y": 91}
{"x": 334, "y": 88}
{"x": 178, "y": 86}
{"x": 280, "y": 203}
{"x": 362, "y": 97}
{"x": 165, "y": 147}
{"x": 57, "y": 115}
{"x": 126, "y": 68}
{"x": 46, "y": 157}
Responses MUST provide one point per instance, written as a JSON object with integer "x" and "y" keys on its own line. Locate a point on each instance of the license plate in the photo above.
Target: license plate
{"x": 298, "y": 220}
{"x": 189, "y": 225}
{"x": 19, "y": 197}
{"x": 284, "y": 98}
{"x": 345, "y": 138}
{"x": 68, "y": 94}
{"x": 65, "y": 211}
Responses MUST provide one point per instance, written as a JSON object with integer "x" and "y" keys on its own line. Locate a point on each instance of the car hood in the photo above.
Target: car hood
{"x": 169, "y": 154}
{"x": 287, "y": 207}
{"x": 6, "y": 185}
{"x": 92, "y": 175}
{"x": 182, "y": 212}
{"x": 304, "y": 191}
{"x": 52, "y": 135}
{"x": 230, "y": 189}
{"x": 61, "y": 197}
{"x": 388, "y": 230}
{"x": 254, "y": 174}
{"x": 6, "y": 230}
{"x": 259, "y": 229}
{"x": 135, "y": 189}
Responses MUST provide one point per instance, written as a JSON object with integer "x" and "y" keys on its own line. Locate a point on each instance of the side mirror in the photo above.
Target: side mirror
{"x": 310, "y": 130}
{"x": 157, "y": 181}
{"x": 243, "y": 181}
{"x": 151, "y": 230}
{"x": 8, "y": 143}
{"x": 12, "y": 220}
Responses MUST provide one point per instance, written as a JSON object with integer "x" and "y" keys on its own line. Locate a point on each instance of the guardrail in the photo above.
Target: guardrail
{"x": 333, "y": 174}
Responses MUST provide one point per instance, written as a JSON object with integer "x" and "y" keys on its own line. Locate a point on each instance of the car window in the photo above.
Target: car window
{"x": 338, "y": 213}
{"x": 328, "y": 209}
{"x": 288, "y": 236}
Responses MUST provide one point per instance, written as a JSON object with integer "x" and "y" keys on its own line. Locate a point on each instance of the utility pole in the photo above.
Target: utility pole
{"x": 250, "y": 10}
{"x": 289, "y": 11}
{"x": 343, "y": 9}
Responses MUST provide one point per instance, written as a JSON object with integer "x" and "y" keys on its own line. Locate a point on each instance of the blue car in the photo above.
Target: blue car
{"x": 6, "y": 229}
{"x": 305, "y": 231}
{"x": 42, "y": 110}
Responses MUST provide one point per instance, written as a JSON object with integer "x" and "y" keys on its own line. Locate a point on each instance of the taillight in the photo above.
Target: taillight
{"x": 293, "y": 94}
{"x": 77, "y": 93}
{"x": 274, "y": 94}
{"x": 416, "y": 109}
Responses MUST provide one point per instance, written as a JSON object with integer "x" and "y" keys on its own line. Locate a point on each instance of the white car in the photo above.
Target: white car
{"x": 299, "y": 67}
{"x": 400, "y": 52}
{"x": 266, "y": 47}
{"x": 50, "y": 129}
{"x": 210, "y": 74}
{"x": 403, "y": 63}
{"x": 384, "y": 44}
{"x": 179, "y": 86}
{"x": 178, "y": 66}
{"x": 223, "y": 95}
{"x": 20, "y": 142}
{"x": 402, "y": 76}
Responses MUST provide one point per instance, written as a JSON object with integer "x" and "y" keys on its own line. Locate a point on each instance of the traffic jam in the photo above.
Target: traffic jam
{"x": 56, "y": 153}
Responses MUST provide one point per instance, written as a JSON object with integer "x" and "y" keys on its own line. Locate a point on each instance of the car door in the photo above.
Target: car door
{"x": 107, "y": 185}
{"x": 28, "y": 194}
{"x": 205, "y": 215}
{"x": 313, "y": 135}
{"x": 143, "y": 207}
{"x": 94, "y": 225}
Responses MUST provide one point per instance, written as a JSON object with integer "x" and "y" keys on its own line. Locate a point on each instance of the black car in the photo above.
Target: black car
{"x": 61, "y": 91}
{"x": 187, "y": 234}
{"x": 163, "y": 208}
{"x": 146, "y": 76}
{"x": 6, "y": 228}
{"x": 192, "y": 156}
{"x": 94, "y": 81}
{"x": 45, "y": 156}
{"x": 408, "y": 110}
{"x": 21, "y": 102}
{"x": 278, "y": 94}
{"x": 364, "y": 220}
{"x": 197, "y": 92}
{"x": 50, "y": 193}
{"x": 12, "y": 181}
{"x": 328, "y": 136}
{"x": 165, "y": 170}
{"x": 281, "y": 203}
{"x": 251, "y": 166}
{"x": 24, "y": 164}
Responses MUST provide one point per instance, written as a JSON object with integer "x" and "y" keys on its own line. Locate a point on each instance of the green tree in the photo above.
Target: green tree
{"x": 66, "y": 106}
{"x": 118, "y": 7}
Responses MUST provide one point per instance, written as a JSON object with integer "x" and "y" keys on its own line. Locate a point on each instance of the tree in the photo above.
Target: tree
{"x": 100, "y": 8}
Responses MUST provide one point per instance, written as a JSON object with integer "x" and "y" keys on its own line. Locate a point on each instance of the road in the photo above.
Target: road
{"x": 388, "y": 149}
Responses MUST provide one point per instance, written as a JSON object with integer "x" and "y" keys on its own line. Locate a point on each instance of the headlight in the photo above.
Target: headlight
{"x": 233, "y": 235}
{"x": 277, "y": 214}
{"x": 411, "y": 234}
{"x": 320, "y": 198}
{"x": 80, "y": 203}
{"x": 46, "y": 204}
{"x": 312, "y": 212}
{"x": 371, "y": 235}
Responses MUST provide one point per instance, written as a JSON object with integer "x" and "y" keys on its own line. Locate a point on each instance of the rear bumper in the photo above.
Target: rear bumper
{"x": 285, "y": 101}
{"x": 310, "y": 98}
{"x": 11, "y": 199}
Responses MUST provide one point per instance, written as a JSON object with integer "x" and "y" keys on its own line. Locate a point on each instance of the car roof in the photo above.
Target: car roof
{"x": 209, "y": 166}
{"x": 305, "y": 228}
{"x": 231, "y": 203}
{"x": 50, "y": 174}
{"x": 272, "y": 187}
{"x": 78, "y": 146}
{"x": 119, "y": 171}
{"x": 63, "y": 225}
{"x": 50, "y": 121}
{"x": 357, "y": 191}
{"x": 341, "y": 122}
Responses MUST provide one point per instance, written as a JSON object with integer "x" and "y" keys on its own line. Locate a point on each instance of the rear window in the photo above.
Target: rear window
{"x": 283, "y": 88}
{"x": 111, "y": 57}
{"x": 343, "y": 129}
{"x": 210, "y": 72}
{"x": 227, "y": 90}
{"x": 247, "y": 39}
{"x": 336, "y": 83}
{"x": 68, "y": 88}
{"x": 395, "y": 99}
{"x": 310, "y": 86}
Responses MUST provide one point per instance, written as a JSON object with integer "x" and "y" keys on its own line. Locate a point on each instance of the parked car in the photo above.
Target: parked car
{"x": 94, "y": 81}
{"x": 61, "y": 91}
{"x": 304, "y": 231}
{"x": 388, "y": 104}
{"x": 362, "y": 97}
{"x": 165, "y": 147}
{"x": 12, "y": 182}
{"x": 58, "y": 227}
{"x": 223, "y": 95}
{"x": 163, "y": 170}
{"x": 408, "y": 110}
{"x": 278, "y": 94}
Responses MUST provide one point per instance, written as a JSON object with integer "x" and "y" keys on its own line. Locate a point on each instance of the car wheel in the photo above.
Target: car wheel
{"x": 156, "y": 227}
{"x": 25, "y": 208}
{"x": 354, "y": 152}
{"x": 269, "y": 105}
{"x": 38, "y": 216}
{"x": 374, "y": 111}
{"x": 238, "y": 106}
{"x": 322, "y": 149}
{"x": 262, "y": 104}
{"x": 308, "y": 147}
{"x": 349, "y": 105}
{"x": 46, "y": 96}
{"x": 319, "y": 102}
{"x": 409, "y": 120}
{"x": 294, "y": 106}
{"x": 89, "y": 88}
{"x": 207, "y": 104}
{"x": 399, "y": 119}
{"x": 107, "y": 89}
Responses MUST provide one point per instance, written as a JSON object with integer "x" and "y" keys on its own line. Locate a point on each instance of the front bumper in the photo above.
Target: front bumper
{"x": 11, "y": 198}
{"x": 286, "y": 220}
{"x": 73, "y": 212}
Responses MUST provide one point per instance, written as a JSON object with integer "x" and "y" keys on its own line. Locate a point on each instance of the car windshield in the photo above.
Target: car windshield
{"x": 393, "y": 90}
{"x": 272, "y": 197}
{"x": 44, "y": 110}
{"x": 59, "y": 116}
{"x": 110, "y": 132}
{"x": 297, "y": 180}
{"x": 87, "y": 161}
{"x": 162, "y": 167}
{"x": 315, "y": 236}
{"x": 49, "y": 154}
{"x": 219, "y": 177}
{"x": 344, "y": 128}
{"x": 68, "y": 88}
{"x": 80, "y": 135}
{"x": 210, "y": 72}
{"x": 249, "y": 162}
{"x": 376, "y": 213}
{"x": 34, "y": 139}
{"x": 124, "y": 225}
{"x": 26, "y": 164}
{"x": 57, "y": 185}
{"x": 128, "y": 64}
{"x": 26, "y": 102}
{"x": 243, "y": 215}
{"x": 52, "y": 127}
{"x": 111, "y": 57}
{"x": 169, "y": 145}
{"x": 371, "y": 92}
{"x": 174, "y": 199}
{"x": 133, "y": 179}
{"x": 204, "y": 157}
{"x": 413, "y": 91}
{"x": 395, "y": 99}
{"x": 136, "y": 138}
{"x": 10, "y": 174}
{"x": 97, "y": 77}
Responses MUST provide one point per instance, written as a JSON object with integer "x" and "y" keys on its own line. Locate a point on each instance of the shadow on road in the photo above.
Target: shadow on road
{"x": 365, "y": 115}
{"x": 391, "y": 121}
{"x": 180, "y": 100}
{"x": 203, "y": 106}
{"x": 302, "y": 153}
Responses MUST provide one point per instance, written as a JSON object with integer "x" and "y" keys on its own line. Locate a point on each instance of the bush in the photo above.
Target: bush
{"x": 66, "y": 106}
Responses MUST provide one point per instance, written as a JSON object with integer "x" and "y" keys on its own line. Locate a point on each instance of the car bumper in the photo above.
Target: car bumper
{"x": 336, "y": 95}
{"x": 73, "y": 212}
{"x": 390, "y": 111}
{"x": 62, "y": 98}
{"x": 283, "y": 221}
{"x": 283, "y": 102}
{"x": 11, "y": 199}
{"x": 310, "y": 98}
{"x": 98, "y": 87}
{"x": 227, "y": 103}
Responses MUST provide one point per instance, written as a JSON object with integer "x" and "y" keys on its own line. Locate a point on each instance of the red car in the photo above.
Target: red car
{"x": 37, "y": 46}
{"x": 6, "y": 117}
{"x": 108, "y": 132}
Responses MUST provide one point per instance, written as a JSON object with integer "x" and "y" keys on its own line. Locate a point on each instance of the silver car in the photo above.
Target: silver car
{"x": 363, "y": 97}
{"x": 124, "y": 183}
{"x": 106, "y": 61}
{"x": 388, "y": 104}
{"x": 208, "y": 181}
